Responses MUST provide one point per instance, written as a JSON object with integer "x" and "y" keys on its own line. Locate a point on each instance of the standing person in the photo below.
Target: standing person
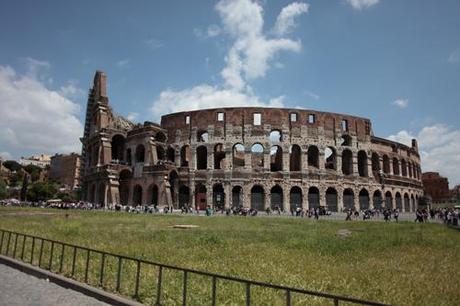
{"x": 396, "y": 214}
{"x": 348, "y": 218}
{"x": 316, "y": 213}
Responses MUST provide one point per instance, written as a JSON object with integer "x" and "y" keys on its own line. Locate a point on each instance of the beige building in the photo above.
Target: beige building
{"x": 65, "y": 169}
{"x": 41, "y": 160}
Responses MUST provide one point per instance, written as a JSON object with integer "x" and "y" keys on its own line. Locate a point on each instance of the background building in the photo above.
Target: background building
{"x": 436, "y": 187}
{"x": 42, "y": 160}
{"x": 65, "y": 169}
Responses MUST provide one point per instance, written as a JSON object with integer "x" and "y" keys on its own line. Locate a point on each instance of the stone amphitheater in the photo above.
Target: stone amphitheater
{"x": 244, "y": 156}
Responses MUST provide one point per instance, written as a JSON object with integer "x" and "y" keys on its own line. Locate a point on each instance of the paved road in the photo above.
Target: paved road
{"x": 21, "y": 289}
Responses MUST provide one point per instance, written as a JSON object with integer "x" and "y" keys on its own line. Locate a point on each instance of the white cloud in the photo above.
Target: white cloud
{"x": 311, "y": 94}
{"x": 132, "y": 116}
{"x": 362, "y": 4}
{"x": 401, "y": 103}
{"x": 5, "y": 155}
{"x": 35, "y": 118}
{"x": 213, "y": 30}
{"x": 124, "y": 63}
{"x": 248, "y": 58}
{"x": 71, "y": 90}
{"x": 154, "y": 43}
{"x": 439, "y": 147}
{"x": 454, "y": 57}
{"x": 285, "y": 22}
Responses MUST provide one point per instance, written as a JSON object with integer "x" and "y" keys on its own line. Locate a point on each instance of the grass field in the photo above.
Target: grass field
{"x": 402, "y": 264}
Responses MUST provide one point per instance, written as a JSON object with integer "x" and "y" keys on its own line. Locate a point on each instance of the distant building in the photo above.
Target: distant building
{"x": 436, "y": 187}
{"x": 65, "y": 169}
{"x": 42, "y": 160}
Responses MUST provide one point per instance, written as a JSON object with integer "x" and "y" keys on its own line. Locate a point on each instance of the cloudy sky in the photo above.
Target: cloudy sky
{"x": 395, "y": 62}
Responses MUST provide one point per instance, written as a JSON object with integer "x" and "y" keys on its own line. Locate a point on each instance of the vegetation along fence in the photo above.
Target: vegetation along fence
{"x": 154, "y": 283}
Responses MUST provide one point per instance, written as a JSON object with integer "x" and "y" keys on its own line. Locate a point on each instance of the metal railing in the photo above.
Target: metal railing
{"x": 25, "y": 247}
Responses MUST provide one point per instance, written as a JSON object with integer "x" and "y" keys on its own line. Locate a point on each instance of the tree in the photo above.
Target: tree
{"x": 3, "y": 190}
{"x": 12, "y": 165}
{"x": 41, "y": 191}
{"x": 34, "y": 172}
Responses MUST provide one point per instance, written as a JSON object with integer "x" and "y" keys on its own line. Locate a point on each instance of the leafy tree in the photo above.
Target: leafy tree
{"x": 16, "y": 179}
{"x": 34, "y": 172}
{"x": 3, "y": 191}
{"x": 12, "y": 165}
{"x": 41, "y": 191}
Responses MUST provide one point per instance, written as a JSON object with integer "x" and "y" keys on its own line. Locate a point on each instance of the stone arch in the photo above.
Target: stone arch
{"x": 375, "y": 164}
{"x": 173, "y": 179}
{"x": 398, "y": 201}
{"x": 202, "y": 136}
{"x": 123, "y": 186}
{"x": 348, "y": 199}
{"x": 295, "y": 197}
{"x": 388, "y": 200}
{"x": 346, "y": 140}
{"x": 218, "y": 196}
{"x": 161, "y": 154}
{"x": 406, "y": 203}
{"x": 295, "y": 159}
{"x": 330, "y": 158}
{"x": 152, "y": 195}
{"x": 171, "y": 154}
{"x": 377, "y": 199}
{"x": 118, "y": 147}
{"x": 257, "y": 156}
{"x": 201, "y": 158}
{"x": 237, "y": 196}
{"x": 313, "y": 197}
{"x": 362, "y": 164}
{"x": 185, "y": 156}
{"x": 257, "y": 197}
{"x": 386, "y": 164}
{"x": 200, "y": 196}
{"x": 409, "y": 168}
{"x": 363, "y": 199}
{"x": 160, "y": 137}
{"x": 313, "y": 156}
{"x": 347, "y": 162}
{"x": 219, "y": 156}
{"x": 137, "y": 195}
{"x": 129, "y": 159}
{"x": 395, "y": 166}
{"x": 238, "y": 155}
{"x": 92, "y": 193}
{"x": 184, "y": 196}
{"x": 276, "y": 197}
{"x": 276, "y": 158}
{"x": 412, "y": 202}
{"x": 331, "y": 199}
{"x": 403, "y": 167}
{"x": 275, "y": 136}
{"x": 140, "y": 153}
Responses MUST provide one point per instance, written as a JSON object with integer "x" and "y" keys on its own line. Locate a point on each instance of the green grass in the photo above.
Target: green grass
{"x": 403, "y": 264}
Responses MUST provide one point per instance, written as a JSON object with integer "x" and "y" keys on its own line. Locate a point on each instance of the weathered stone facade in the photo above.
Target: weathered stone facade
{"x": 245, "y": 156}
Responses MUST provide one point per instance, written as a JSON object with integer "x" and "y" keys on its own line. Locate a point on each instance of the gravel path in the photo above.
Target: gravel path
{"x": 21, "y": 289}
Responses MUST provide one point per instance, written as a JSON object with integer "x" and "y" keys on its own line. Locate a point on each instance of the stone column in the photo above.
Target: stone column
{"x": 338, "y": 162}
{"x": 192, "y": 157}
{"x": 210, "y": 158}
{"x": 247, "y": 159}
{"x": 286, "y": 200}
{"x": 305, "y": 199}
{"x": 192, "y": 194}
{"x": 267, "y": 198}
{"x": 228, "y": 196}
{"x": 286, "y": 161}
{"x": 304, "y": 163}
{"x": 228, "y": 160}
{"x": 355, "y": 164}
{"x": 356, "y": 199}
{"x": 267, "y": 159}
{"x": 339, "y": 200}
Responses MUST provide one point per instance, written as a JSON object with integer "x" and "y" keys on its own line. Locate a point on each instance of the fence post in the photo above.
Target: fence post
{"x": 8, "y": 244}
{"x": 62, "y": 258}
{"x": 51, "y": 255}
{"x": 101, "y": 279}
{"x": 213, "y": 301}
{"x": 184, "y": 289}
{"x": 87, "y": 266}
{"x": 32, "y": 251}
{"x": 288, "y": 297}
{"x": 23, "y": 246}
{"x": 15, "y": 245}
{"x": 248, "y": 294}
{"x": 119, "y": 274}
{"x": 138, "y": 273}
{"x": 73, "y": 261}
{"x": 160, "y": 275}
{"x": 1, "y": 243}
{"x": 41, "y": 253}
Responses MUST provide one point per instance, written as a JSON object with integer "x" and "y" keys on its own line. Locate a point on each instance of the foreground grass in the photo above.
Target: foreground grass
{"x": 403, "y": 264}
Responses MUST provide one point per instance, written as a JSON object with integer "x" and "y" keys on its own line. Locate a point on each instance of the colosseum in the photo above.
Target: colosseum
{"x": 244, "y": 156}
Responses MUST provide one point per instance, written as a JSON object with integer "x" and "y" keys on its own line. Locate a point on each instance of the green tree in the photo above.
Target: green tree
{"x": 41, "y": 191}
{"x": 12, "y": 165}
{"x": 34, "y": 172}
{"x": 3, "y": 190}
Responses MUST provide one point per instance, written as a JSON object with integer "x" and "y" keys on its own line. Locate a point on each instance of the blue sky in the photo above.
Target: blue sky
{"x": 395, "y": 62}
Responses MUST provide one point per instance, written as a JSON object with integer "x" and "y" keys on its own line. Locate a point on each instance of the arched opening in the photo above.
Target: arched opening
{"x": 257, "y": 156}
{"x": 330, "y": 158}
{"x": 412, "y": 202}
{"x": 185, "y": 155}
{"x": 171, "y": 154}
{"x": 403, "y": 168}
{"x": 118, "y": 148}
{"x": 128, "y": 157}
{"x": 137, "y": 195}
{"x": 160, "y": 137}
{"x": 201, "y": 158}
{"x": 160, "y": 153}
{"x": 123, "y": 186}
{"x": 406, "y": 203}
{"x": 140, "y": 153}
{"x": 174, "y": 186}
{"x": 257, "y": 197}
{"x": 398, "y": 199}
{"x": 347, "y": 162}
{"x": 377, "y": 199}
{"x": 295, "y": 197}
{"x": 153, "y": 195}
{"x": 101, "y": 194}
{"x": 184, "y": 196}
{"x": 375, "y": 164}
{"x": 395, "y": 166}
{"x": 200, "y": 197}
{"x": 237, "y": 193}
{"x": 92, "y": 194}
{"x": 409, "y": 166}
{"x": 276, "y": 197}
{"x": 218, "y": 196}
{"x": 313, "y": 197}
{"x": 219, "y": 156}
{"x": 362, "y": 164}
{"x": 313, "y": 156}
{"x": 331, "y": 199}
{"x": 348, "y": 199}
{"x": 275, "y": 136}
{"x": 276, "y": 158}
{"x": 346, "y": 140}
{"x": 363, "y": 199}
{"x": 386, "y": 164}
{"x": 295, "y": 159}
{"x": 238, "y": 155}
{"x": 388, "y": 200}
{"x": 202, "y": 136}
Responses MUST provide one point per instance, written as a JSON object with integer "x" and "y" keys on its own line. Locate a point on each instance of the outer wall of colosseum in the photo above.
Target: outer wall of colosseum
{"x": 251, "y": 157}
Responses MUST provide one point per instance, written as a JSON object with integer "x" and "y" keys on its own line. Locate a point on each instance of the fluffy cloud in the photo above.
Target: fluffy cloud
{"x": 124, "y": 63}
{"x": 35, "y": 118}
{"x": 439, "y": 147}
{"x": 401, "y": 103}
{"x": 362, "y": 4}
{"x": 454, "y": 57}
{"x": 248, "y": 58}
{"x": 285, "y": 22}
